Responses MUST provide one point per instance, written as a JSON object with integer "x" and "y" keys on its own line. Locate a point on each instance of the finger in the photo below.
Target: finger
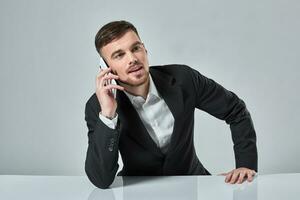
{"x": 223, "y": 174}
{"x": 98, "y": 78}
{"x": 112, "y": 86}
{"x": 249, "y": 176}
{"x": 101, "y": 81}
{"x": 109, "y": 75}
{"x": 105, "y": 80}
{"x": 228, "y": 177}
{"x": 241, "y": 177}
{"x": 234, "y": 177}
{"x": 103, "y": 72}
{"x": 115, "y": 77}
{"x": 97, "y": 81}
{"x": 109, "y": 81}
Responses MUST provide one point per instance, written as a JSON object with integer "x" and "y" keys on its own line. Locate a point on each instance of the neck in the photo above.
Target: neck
{"x": 141, "y": 90}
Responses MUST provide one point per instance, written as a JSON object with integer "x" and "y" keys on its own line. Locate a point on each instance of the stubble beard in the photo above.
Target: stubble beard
{"x": 128, "y": 83}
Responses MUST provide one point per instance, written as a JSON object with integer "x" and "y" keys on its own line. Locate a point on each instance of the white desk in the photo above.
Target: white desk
{"x": 264, "y": 187}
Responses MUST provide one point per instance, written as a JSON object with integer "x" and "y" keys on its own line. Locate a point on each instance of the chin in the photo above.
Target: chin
{"x": 137, "y": 81}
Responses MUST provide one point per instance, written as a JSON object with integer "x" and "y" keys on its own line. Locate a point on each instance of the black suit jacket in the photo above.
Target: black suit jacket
{"x": 183, "y": 90}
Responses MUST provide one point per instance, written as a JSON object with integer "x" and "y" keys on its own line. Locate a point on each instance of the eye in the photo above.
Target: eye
{"x": 137, "y": 48}
{"x": 119, "y": 56}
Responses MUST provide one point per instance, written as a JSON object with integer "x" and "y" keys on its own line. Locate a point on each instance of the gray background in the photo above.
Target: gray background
{"x": 48, "y": 65}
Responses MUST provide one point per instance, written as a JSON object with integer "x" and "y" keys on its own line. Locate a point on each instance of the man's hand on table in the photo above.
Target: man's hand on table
{"x": 239, "y": 175}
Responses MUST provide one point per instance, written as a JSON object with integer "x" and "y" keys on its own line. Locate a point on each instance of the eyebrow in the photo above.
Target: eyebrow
{"x": 120, "y": 50}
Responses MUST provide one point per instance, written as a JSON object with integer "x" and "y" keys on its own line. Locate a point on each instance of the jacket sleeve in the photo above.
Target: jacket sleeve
{"x": 102, "y": 155}
{"x": 214, "y": 99}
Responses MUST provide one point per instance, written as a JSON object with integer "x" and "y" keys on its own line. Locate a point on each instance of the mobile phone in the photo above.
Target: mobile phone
{"x": 103, "y": 65}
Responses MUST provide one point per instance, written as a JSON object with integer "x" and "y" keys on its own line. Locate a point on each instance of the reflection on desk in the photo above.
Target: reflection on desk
{"x": 276, "y": 186}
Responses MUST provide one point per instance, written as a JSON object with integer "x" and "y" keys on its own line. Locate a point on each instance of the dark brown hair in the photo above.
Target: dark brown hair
{"x": 111, "y": 31}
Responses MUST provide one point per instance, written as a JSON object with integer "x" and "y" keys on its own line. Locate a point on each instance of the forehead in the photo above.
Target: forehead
{"x": 121, "y": 43}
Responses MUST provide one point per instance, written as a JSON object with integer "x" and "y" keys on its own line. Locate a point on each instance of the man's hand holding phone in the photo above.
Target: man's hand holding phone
{"x": 104, "y": 92}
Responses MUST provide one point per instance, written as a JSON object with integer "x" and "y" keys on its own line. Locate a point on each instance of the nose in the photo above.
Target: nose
{"x": 132, "y": 59}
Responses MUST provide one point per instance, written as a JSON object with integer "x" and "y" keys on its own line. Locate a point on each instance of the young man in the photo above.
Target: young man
{"x": 151, "y": 120}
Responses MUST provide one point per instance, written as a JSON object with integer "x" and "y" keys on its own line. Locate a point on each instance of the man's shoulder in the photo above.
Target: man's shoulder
{"x": 175, "y": 70}
{"x": 170, "y": 68}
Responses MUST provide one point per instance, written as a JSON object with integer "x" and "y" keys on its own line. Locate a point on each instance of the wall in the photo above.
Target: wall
{"x": 48, "y": 65}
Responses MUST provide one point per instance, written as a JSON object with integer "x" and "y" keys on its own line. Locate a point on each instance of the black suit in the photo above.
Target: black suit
{"x": 183, "y": 90}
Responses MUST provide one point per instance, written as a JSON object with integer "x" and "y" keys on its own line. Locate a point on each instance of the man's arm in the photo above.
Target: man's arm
{"x": 101, "y": 162}
{"x": 225, "y": 105}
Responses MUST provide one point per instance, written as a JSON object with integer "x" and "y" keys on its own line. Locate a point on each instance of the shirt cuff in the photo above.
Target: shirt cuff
{"x": 111, "y": 123}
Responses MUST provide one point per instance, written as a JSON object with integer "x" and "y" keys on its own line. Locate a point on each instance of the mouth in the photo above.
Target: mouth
{"x": 135, "y": 69}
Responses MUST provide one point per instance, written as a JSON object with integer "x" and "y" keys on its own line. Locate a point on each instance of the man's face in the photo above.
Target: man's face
{"x": 127, "y": 57}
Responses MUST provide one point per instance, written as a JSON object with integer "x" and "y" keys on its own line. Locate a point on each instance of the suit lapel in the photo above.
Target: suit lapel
{"x": 132, "y": 124}
{"x": 170, "y": 91}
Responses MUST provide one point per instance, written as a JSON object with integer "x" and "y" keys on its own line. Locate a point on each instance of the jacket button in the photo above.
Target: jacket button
{"x": 111, "y": 144}
{"x": 110, "y": 148}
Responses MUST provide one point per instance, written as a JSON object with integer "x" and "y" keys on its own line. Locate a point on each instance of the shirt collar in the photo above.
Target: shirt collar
{"x": 152, "y": 95}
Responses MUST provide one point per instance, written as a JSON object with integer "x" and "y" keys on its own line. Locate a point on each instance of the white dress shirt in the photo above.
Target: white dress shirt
{"x": 155, "y": 115}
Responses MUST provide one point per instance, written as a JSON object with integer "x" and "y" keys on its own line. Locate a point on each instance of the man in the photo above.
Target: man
{"x": 151, "y": 120}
